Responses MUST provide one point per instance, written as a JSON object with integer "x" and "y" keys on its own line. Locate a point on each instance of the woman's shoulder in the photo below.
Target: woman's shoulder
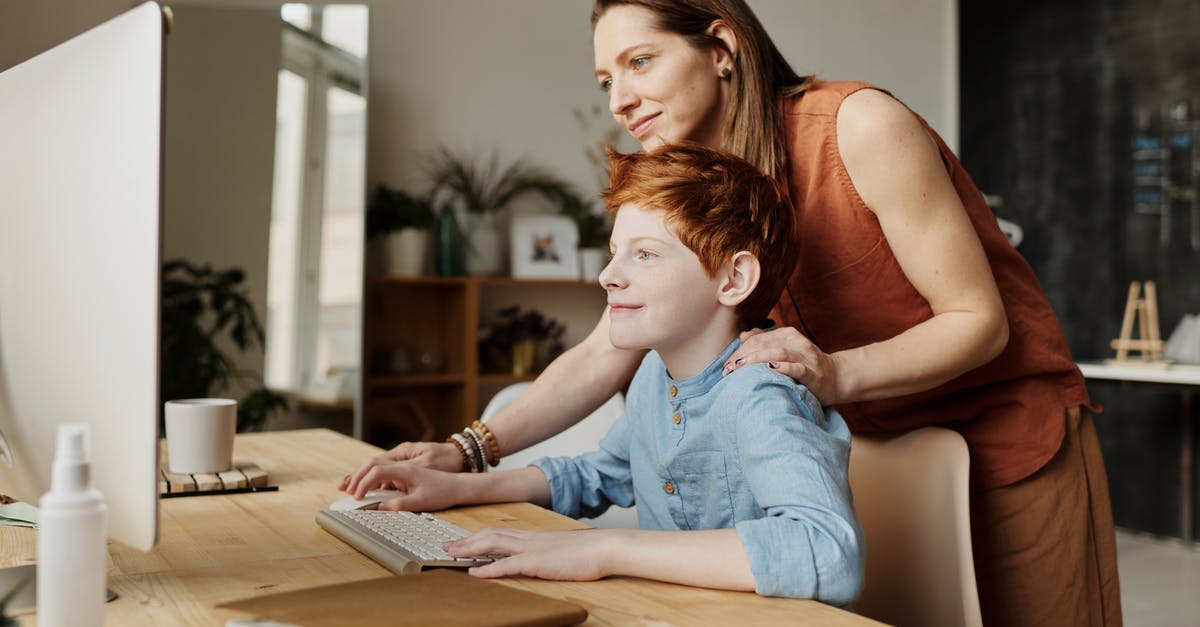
{"x": 826, "y": 97}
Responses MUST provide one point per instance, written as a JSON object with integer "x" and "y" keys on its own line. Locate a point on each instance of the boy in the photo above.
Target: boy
{"x": 740, "y": 481}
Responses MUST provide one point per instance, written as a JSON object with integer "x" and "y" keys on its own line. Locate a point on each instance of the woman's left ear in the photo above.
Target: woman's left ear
{"x": 726, "y": 58}
{"x": 742, "y": 274}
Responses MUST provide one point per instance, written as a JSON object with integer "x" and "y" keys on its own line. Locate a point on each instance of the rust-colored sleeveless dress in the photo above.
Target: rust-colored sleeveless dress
{"x": 848, "y": 290}
{"x": 1041, "y": 525}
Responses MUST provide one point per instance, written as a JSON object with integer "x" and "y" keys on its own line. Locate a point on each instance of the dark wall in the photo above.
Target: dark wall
{"x": 1053, "y": 94}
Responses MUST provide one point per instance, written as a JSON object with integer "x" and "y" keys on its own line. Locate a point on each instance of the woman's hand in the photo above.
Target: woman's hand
{"x": 789, "y": 352}
{"x": 439, "y": 456}
{"x": 557, "y": 555}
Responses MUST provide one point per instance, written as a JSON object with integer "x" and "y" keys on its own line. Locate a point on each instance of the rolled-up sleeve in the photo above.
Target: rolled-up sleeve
{"x": 795, "y": 458}
{"x": 587, "y": 485}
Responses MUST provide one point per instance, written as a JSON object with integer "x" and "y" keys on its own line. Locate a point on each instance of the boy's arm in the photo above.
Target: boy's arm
{"x": 426, "y": 489}
{"x": 796, "y": 463}
{"x": 711, "y": 558}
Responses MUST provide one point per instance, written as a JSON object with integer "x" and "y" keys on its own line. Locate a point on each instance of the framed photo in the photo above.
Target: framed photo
{"x": 544, "y": 247}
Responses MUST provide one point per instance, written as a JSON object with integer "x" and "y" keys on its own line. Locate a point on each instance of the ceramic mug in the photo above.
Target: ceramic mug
{"x": 200, "y": 435}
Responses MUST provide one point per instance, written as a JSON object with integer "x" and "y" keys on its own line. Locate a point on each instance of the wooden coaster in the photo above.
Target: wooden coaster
{"x": 242, "y": 475}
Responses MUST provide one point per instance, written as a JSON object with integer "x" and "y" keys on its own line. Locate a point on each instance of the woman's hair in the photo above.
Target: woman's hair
{"x": 718, "y": 205}
{"x": 762, "y": 78}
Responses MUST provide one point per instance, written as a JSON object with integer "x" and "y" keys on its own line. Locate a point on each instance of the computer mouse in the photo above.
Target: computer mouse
{"x": 372, "y": 501}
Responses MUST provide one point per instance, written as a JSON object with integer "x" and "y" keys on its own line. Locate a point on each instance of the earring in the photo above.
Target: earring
{"x": 724, "y": 72}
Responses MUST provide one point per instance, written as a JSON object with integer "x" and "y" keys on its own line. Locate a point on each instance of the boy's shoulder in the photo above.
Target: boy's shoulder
{"x": 756, "y": 387}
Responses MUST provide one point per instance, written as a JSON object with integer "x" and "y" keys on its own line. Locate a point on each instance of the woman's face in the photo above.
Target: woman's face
{"x": 660, "y": 88}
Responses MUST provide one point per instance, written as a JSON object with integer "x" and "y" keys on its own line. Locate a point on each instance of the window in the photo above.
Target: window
{"x": 315, "y": 258}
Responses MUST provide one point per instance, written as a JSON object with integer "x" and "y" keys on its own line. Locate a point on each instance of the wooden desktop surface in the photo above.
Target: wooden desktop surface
{"x": 214, "y": 549}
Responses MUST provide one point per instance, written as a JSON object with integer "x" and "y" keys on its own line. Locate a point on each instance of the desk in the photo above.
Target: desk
{"x": 214, "y": 549}
{"x": 1186, "y": 379}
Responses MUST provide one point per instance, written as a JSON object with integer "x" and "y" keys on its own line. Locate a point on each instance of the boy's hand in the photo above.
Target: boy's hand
{"x": 558, "y": 555}
{"x": 425, "y": 489}
{"x": 789, "y": 352}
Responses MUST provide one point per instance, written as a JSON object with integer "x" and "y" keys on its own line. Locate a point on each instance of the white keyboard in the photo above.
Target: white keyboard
{"x": 403, "y": 542}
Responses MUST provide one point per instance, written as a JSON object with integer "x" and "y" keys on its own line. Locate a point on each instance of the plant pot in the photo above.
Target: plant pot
{"x": 485, "y": 246}
{"x": 524, "y": 354}
{"x": 591, "y": 263}
{"x": 405, "y": 251}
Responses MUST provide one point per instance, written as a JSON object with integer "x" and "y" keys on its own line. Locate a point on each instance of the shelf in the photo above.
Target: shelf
{"x": 441, "y": 316}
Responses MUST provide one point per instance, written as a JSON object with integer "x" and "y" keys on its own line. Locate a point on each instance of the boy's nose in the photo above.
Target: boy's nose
{"x": 610, "y": 277}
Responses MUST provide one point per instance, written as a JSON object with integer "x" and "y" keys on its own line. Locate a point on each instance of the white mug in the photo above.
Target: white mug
{"x": 200, "y": 435}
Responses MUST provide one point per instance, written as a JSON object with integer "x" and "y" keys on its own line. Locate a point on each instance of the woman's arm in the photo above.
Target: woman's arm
{"x": 897, "y": 170}
{"x": 570, "y": 388}
{"x": 711, "y": 558}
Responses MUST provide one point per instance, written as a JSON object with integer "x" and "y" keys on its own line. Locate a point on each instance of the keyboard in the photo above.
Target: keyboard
{"x": 402, "y": 542}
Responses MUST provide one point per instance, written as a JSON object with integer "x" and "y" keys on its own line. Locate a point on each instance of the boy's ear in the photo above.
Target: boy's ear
{"x": 741, "y": 277}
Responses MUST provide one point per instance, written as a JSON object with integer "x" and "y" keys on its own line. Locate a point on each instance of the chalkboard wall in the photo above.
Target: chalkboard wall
{"x": 1054, "y": 95}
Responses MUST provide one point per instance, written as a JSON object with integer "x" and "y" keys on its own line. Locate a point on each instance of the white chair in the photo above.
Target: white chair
{"x": 911, "y": 494}
{"x": 581, "y": 437}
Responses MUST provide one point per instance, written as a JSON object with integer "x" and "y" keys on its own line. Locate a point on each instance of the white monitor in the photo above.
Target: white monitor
{"x": 80, "y": 254}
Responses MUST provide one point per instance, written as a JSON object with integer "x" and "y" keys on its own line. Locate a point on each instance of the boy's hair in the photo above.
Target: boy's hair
{"x": 718, "y": 205}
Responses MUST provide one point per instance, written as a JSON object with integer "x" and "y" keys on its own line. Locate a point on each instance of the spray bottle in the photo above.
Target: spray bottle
{"x": 72, "y": 556}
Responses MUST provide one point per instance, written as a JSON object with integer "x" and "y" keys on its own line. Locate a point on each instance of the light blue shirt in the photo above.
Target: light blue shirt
{"x": 752, "y": 450}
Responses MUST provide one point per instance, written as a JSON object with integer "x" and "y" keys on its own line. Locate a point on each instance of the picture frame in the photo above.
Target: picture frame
{"x": 543, "y": 246}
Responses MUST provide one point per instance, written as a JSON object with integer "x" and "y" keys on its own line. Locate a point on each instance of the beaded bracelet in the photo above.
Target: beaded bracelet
{"x": 460, "y": 442}
{"x": 477, "y": 449}
{"x": 489, "y": 439}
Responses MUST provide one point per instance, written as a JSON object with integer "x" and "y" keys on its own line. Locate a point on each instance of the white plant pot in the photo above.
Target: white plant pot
{"x": 405, "y": 252}
{"x": 486, "y": 246}
{"x": 591, "y": 263}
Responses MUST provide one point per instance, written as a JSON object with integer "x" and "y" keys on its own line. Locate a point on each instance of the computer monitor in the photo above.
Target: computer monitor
{"x": 80, "y": 255}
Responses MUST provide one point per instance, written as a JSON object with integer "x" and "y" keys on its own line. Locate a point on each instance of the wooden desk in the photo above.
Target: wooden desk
{"x": 1186, "y": 378}
{"x": 214, "y": 549}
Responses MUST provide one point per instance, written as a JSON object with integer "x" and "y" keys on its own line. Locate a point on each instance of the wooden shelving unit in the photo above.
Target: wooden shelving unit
{"x": 420, "y": 347}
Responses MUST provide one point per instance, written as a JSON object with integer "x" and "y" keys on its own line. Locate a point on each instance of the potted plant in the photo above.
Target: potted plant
{"x": 519, "y": 341}
{"x": 483, "y": 190}
{"x": 202, "y": 310}
{"x": 398, "y": 225}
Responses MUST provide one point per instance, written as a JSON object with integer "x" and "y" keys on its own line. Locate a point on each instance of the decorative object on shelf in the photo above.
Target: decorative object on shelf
{"x": 448, "y": 257}
{"x": 520, "y": 342}
{"x": 1145, "y": 311}
{"x": 484, "y": 191}
{"x": 544, "y": 247}
{"x": 202, "y": 311}
{"x": 398, "y": 225}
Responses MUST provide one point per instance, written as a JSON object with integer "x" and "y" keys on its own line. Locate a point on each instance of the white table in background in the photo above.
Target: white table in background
{"x": 1185, "y": 378}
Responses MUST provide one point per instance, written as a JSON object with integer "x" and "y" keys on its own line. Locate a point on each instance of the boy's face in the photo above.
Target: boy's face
{"x": 659, "y": 296}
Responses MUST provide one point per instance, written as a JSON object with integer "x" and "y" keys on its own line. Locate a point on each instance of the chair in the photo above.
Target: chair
{"x": 912, "y": 498}
{"x": 581, "y": 437}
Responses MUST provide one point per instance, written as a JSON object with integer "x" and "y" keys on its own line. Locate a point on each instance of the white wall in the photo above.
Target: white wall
{"x": 478, "y": 74}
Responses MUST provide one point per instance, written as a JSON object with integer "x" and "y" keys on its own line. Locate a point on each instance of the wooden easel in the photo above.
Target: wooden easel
{"x": 1145, "y": 309}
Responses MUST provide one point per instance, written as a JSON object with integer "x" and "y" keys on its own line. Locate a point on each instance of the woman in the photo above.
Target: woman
{"x": 907, "y": 307}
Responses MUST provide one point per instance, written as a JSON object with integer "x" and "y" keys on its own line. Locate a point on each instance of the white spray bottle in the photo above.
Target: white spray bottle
{"x": 72, "y": 557}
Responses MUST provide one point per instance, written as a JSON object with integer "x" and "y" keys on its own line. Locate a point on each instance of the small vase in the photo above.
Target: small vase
{"x": 524, "y": 353}
{"x": 449, "y": 258}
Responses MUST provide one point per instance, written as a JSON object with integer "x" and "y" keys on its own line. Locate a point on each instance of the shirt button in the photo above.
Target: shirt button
{"x": 674, "y": 390}
{"x": 669, "y": 488}
{"x": 676, "y": 418}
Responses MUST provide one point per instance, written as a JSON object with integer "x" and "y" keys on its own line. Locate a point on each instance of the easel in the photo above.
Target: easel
{"x": 1145, "y": 309}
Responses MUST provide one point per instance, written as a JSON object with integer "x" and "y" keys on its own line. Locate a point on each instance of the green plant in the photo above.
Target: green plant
{"x": 513, "y": 326}
{"x": 391, "y": 210}
{"x": 200, "y": 307}
{"x": 594, "y": 228}
{"x": 483, "y": 188}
